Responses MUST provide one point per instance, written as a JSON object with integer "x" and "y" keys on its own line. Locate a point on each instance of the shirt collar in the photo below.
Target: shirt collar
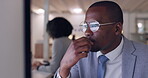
{"x": 114, "y": 53}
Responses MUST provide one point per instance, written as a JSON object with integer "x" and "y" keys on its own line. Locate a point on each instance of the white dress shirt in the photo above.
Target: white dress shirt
{"x": 113, "y": 65}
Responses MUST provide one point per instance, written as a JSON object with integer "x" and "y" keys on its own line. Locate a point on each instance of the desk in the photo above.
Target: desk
{"x": 39, "y": 74}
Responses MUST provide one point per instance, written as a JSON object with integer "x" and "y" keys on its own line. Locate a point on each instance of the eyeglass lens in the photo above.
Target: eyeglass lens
{"x": 94, "y": 26}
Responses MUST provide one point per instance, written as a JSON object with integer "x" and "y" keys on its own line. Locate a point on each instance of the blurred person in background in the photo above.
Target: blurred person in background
{"x": 58, "y": 29}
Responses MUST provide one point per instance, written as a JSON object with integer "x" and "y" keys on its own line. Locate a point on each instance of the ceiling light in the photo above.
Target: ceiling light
{"x": 140, "y": 25}
{"x": 39, "y": 11}
{"x": 77, "y": 10}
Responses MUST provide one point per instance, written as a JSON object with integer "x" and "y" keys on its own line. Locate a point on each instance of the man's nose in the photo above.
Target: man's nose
{"x": 88, "y": 32}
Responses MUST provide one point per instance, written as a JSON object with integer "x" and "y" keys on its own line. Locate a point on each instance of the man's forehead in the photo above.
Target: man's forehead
{"x": 96, "y": 13}
{"x": 93, "y": 15}
{"x": 90, "y": 19}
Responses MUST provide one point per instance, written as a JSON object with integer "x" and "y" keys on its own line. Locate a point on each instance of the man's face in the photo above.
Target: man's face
{"x": 105, "y": 37}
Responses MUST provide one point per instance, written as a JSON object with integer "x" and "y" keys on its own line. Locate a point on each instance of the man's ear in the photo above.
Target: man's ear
{"x": 118, "y": 29}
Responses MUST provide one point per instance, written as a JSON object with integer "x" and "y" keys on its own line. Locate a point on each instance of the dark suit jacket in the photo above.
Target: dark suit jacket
{"x": 134, "y": 62}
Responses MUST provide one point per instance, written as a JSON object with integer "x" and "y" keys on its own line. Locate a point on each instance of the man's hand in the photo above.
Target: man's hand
{"x": 78, "y": 49}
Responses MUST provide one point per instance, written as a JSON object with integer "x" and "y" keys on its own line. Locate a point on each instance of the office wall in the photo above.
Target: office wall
{"x": 132, "y": 23}
{"x": 37, "y": 25}
{"x": 11, "y": 39}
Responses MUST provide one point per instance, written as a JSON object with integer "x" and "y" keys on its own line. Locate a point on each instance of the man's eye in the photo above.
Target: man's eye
{"x": 94, "y": 25}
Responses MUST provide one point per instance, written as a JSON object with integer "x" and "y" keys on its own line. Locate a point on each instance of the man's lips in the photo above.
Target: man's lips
{"x": 92, "y": 40}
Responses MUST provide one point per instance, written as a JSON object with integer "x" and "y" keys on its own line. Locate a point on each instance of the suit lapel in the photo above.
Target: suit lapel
{"x": 128, "y": 59}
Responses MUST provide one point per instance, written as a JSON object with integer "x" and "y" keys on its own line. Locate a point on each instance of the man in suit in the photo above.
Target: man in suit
{"x": 103, "y": 30}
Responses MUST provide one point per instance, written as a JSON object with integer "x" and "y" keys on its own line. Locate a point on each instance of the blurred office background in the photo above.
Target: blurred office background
{"x": 135, "y": 25}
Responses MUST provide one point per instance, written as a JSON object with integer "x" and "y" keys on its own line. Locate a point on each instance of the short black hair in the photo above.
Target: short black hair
{"x": 59, "y": 27}
{"x": 114, "y": 11}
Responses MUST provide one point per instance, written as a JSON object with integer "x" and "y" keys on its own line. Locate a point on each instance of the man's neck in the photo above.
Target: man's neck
{"x": 112, "y": 46}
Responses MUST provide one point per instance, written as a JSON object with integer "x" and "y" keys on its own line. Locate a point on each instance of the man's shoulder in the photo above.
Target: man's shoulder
{"x": 139, "y": 45}
{"x": 135, "y": 44}
{"x": 140, "y": 49}
{"x": 136, "y": 47}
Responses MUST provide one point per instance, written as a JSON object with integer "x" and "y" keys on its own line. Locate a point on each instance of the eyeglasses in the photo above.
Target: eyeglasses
{"x": 94, "y": 25}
